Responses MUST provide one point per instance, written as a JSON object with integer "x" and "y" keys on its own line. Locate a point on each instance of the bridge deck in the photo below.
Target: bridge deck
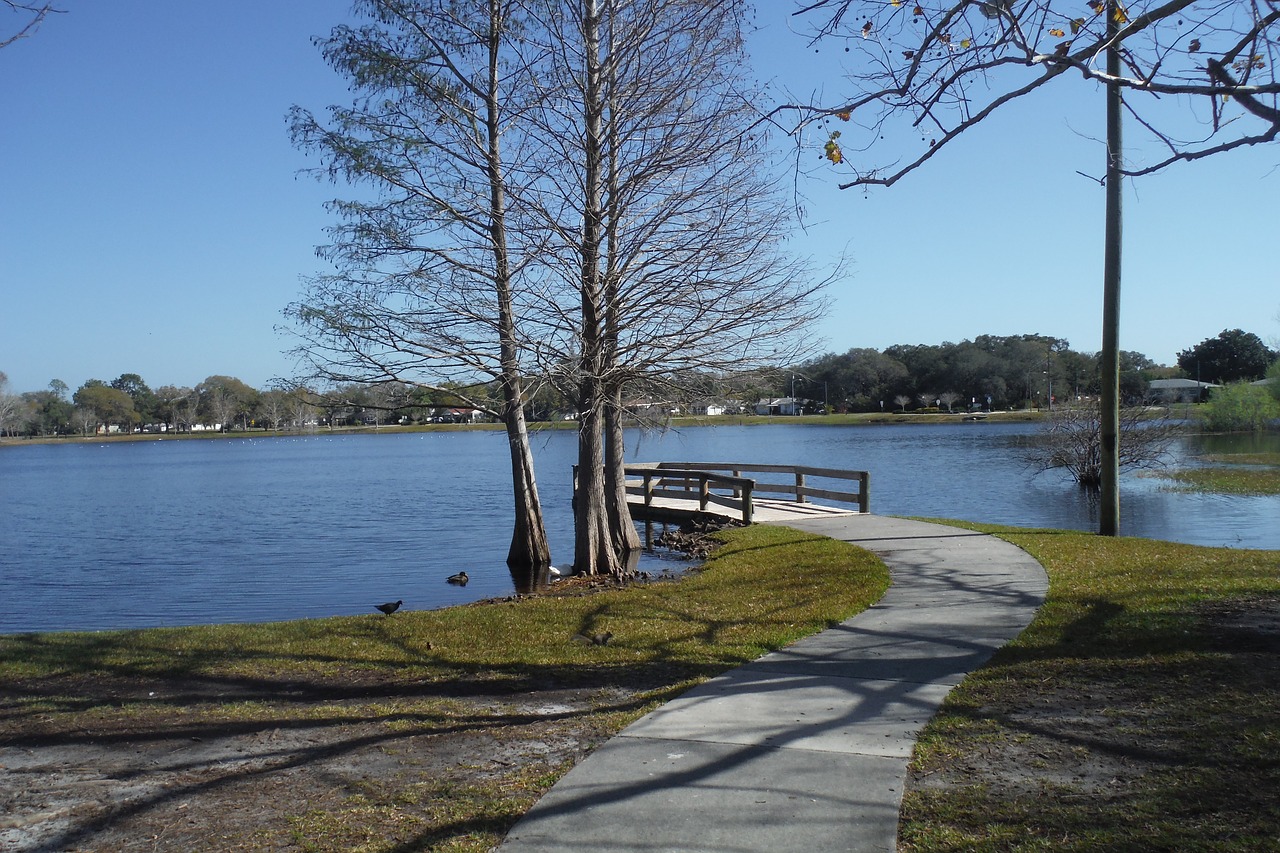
{"x": 763, "y": 510}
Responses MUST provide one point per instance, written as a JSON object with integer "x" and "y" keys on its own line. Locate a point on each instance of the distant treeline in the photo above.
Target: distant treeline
{"x": 988, "y": 372}
{"x": 1005, "y": 372}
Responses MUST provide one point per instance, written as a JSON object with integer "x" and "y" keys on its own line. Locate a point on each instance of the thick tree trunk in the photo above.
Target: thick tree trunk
{"x": 625, "y": 537}
{"x": 594, "y": 551}
{"x": 530, "y": 551}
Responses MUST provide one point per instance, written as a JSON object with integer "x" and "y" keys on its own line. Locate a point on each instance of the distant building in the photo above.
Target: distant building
{"x": 780, "y": 406}
{"x": 1178, "y": 390}
{"x": 711, "y": 408}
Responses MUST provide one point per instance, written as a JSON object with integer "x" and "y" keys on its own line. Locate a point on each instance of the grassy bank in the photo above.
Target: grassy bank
{"x": 1140, "y": 710}
{"x": 423, "y": 730}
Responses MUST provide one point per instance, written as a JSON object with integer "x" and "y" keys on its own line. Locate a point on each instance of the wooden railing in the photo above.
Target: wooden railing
{"x": 679, "y": 484}
{"x": 722, "y": 487}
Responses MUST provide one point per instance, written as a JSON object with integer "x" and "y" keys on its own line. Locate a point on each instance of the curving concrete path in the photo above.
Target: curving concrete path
{"x": 805, "y": 748}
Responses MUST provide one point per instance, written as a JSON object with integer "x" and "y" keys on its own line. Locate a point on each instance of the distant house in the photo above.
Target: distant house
{"x": 646, "y": 408}
{"x": 1178, "y": 390}
{"x": 461, "y": 415}
{"x": 780, "y": 406}
{"x": 711, "y": 408}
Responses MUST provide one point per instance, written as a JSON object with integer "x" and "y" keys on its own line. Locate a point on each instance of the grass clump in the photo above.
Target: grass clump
{"x": 1139, "y": 711}
{"x": 1230, "y": 474}
{"x": 1227, "y": 481}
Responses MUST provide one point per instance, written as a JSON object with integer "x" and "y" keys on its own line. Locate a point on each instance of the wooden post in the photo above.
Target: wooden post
{"x": 747, "y": 509}
{"x": 704, "y": 492}
{"x": 799, "y": 488}
{"x": 864, "y": 492}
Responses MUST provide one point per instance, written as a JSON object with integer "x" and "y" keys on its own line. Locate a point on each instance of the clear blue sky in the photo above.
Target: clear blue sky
{"x": 152, "y": 220}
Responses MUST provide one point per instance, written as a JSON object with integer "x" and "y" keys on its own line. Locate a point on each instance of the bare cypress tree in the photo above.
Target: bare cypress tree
{"x": 666, "y": 205}
{"x": 429, "y": 281}
{"x": 945, "y": 66}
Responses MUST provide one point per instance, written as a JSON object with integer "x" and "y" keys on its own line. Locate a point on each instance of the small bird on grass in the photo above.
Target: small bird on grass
{"x": 390, "y": 607}
{"x": 460, "y": 579}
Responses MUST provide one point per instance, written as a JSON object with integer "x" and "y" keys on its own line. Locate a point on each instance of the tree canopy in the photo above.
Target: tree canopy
{"x": 1231, "y": 356}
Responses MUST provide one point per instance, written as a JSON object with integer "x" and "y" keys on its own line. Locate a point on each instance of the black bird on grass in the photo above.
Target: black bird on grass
{"x": 390, "y": 607}
{"x": 460, "y": 579}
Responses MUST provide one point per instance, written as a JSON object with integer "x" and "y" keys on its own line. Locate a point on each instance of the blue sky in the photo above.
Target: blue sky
{"x": 152, "y": 220}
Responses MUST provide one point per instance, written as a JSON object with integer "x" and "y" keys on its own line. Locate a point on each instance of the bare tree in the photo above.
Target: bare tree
{"x": 944, "y": 66}
{"x": 672, "y": 246}
{"x": 1072, "y": 440}
{"x": 85, "y": 418}
{"x": 429, "y": 272}
{"x": 188, "y": 408}
{"x": 302, "y": 406}
{"x": 274, "y": 408}
{"x": 10, "y": 406}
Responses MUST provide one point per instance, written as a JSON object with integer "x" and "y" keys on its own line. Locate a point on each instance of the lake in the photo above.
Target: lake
{"x": 139, "y": 534}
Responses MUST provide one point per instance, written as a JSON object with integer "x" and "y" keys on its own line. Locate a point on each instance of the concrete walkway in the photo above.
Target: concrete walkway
{"x": 805, "y": 748}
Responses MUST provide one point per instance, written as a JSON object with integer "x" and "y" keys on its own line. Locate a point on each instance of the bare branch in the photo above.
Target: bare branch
{"x": 34, "y": 13}
{"x": 946, "y": 65}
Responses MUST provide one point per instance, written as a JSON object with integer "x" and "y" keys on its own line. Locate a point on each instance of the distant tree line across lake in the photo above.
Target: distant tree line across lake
{"x": 998, "y": 372}
{"x": 1011, "y": 372}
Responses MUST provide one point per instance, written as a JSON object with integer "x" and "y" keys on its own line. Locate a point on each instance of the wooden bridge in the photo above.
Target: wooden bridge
{"x": 676, "y": 491}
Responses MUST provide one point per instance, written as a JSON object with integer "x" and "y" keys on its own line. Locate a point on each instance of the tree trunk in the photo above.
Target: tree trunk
{"x": 623, "y": 530}
{"x": 529, "y": 552}
{"x": 594, "y": 551}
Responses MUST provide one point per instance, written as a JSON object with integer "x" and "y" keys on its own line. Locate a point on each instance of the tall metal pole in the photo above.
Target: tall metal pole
{"x": 1109, "y": 516}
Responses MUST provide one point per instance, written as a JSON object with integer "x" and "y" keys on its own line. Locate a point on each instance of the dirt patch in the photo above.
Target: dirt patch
{"x": 320, "y": 770}
{"x": 1083, "y": 748}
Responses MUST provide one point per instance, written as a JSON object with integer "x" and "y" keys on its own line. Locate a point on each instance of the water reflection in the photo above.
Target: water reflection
{"x": 181, "y": 532}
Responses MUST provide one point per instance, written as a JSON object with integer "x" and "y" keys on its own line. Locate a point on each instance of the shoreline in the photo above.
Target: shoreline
{"x": 858, "y": 419}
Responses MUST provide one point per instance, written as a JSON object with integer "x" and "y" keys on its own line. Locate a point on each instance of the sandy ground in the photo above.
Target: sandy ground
{"x": 159, "y": 779}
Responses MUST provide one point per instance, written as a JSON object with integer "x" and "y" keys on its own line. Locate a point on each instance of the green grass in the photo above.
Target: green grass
{"x": 1226, "y": 481}
{"x": 765, "y": 588}
{"x": 1228, "y": 474}
{"x": 425, "y": 677}
{"x": 1139, "y": 711}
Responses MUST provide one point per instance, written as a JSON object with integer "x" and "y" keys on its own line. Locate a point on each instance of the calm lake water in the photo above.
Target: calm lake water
{"x": 182, "y": 532}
